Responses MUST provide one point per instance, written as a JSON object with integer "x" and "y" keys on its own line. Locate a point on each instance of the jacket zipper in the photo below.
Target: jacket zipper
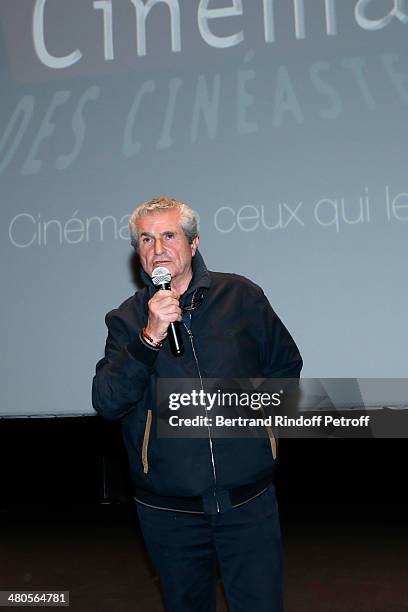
{"x": 190, "y": 335}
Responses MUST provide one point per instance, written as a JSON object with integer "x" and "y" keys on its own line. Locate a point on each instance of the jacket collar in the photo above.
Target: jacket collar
{"x": 199, "y": 284}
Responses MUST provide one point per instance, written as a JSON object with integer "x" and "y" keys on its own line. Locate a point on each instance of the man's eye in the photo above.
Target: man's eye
{"x": 146, "y": 240}
{"x": 170, "y": 235}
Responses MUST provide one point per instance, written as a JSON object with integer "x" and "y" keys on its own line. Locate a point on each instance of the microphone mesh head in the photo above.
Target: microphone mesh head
{"x": 160, "y": 276}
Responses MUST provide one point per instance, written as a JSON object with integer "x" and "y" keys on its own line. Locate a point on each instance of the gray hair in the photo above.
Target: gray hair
{"x": 189, "y": 218}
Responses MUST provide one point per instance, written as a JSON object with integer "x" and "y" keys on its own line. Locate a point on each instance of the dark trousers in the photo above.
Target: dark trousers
{"x": 246, "y": 542}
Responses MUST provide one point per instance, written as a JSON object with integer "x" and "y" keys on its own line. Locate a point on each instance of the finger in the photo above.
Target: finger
{"x": 170, "y": 318}
{"x": 167, "y": 292}
{"x": 170, "y": 311}
{"x": 161, "y": 296}
{"x": 165, "y": 305}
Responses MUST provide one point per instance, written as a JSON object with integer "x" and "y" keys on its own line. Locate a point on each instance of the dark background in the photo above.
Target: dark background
{"x": 67, "y": 520}
{"x": 78, "y": 461}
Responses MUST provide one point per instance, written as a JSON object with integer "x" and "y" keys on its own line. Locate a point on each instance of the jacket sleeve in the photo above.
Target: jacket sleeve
{"x": 281, "y": 356}
{"x": 122, "y": 374}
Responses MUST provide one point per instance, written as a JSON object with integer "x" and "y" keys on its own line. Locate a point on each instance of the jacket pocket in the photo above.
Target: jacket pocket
{"x": 145, "y": 445}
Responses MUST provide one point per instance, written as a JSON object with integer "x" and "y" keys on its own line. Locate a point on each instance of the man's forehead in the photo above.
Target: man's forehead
{"x": 159, "y": 221}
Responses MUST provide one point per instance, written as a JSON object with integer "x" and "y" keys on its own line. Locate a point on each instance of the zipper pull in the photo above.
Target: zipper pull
{"x": 190, "y": 333}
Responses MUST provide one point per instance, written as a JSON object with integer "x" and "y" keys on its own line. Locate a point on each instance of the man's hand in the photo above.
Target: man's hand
{"x": 163, "y": 309}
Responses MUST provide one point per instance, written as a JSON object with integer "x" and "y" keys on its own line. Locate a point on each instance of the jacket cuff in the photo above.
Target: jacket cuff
{"x": 141, "y": 351}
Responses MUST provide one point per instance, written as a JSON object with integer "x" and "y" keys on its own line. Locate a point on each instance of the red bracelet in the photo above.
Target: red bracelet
{"x": 146, "y": 336}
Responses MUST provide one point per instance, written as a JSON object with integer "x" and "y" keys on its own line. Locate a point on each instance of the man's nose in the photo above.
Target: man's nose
{"x": 158, "y": 246}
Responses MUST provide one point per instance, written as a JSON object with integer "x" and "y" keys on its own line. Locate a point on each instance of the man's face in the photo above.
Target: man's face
{"x": 162, "y": 242}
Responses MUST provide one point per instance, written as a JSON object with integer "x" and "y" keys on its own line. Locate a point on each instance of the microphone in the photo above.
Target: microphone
{"x": 161, "y": 278}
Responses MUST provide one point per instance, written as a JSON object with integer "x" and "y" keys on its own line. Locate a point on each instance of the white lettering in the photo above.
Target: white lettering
{"x": 377, "y": 24}
{"x": 39, "y": 42}
{"x": 224, "y": 230}
{"x": 165, "y": 141}
{"x": 32, "y": 165}
{"x": 11, "y": 231}
{"x": 25, "y": 108}
{"x": 142, "y": 10}
{"x": 332, "y": 207}
{"x": 205, "y": 14}
{"x": 130, "y": 147}
{"x": 206, "y": 105}
{"x": 299, "y": 10}
{"x": 398, "y": 79}
{"x": 334, "y": 110}
{"x": 78, "y": 127}
{"x": 106, "y": 7}
{"x": 356, "y": 65}
{"x": 286, "y": 101}
{"x": 244, "y": 99}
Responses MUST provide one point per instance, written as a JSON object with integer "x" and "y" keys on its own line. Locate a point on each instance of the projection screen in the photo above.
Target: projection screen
{"x": 282, "y": 122}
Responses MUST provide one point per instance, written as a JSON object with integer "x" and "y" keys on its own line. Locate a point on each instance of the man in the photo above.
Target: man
{"x": 199, "y": 500}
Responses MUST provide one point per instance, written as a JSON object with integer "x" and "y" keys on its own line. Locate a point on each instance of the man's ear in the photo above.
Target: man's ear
{"x": 194, "y": 245}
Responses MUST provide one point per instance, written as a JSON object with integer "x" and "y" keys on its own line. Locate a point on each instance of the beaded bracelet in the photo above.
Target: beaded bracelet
{"x": 149, "y": 339}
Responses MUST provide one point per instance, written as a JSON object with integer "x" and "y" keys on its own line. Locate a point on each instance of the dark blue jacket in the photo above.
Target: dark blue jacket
{"x": 231, "y": 332}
